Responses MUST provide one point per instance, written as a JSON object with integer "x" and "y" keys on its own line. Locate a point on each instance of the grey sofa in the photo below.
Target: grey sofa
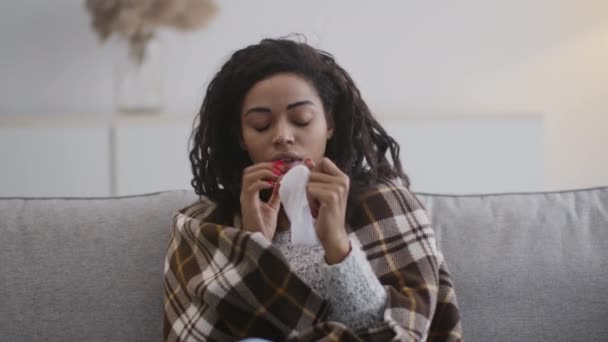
{"x": 527, "y": 267}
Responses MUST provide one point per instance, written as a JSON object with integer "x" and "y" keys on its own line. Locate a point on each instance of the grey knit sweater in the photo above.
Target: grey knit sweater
{"x": 357, "y": 297}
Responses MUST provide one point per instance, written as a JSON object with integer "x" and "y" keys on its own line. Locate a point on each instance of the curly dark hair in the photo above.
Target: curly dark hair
{"x": 358, "y": 146}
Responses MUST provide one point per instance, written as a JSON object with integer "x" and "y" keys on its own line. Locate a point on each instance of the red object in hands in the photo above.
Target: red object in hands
{"x": 278, "y": 166}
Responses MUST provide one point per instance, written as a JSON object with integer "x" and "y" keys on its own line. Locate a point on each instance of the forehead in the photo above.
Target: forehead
{"x": 280, "y": 90}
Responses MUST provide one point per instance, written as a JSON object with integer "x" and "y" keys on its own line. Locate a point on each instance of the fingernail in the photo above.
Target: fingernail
{"x": 276, "y": 172}
{"x": 279, "y": 165}
{"x": 270, "y": 182}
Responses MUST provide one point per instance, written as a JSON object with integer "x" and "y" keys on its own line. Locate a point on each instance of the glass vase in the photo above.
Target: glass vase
{"x": 139, "y": 76}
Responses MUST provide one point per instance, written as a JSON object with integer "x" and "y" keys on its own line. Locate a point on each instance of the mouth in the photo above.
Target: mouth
{"x": 289, "y": 161}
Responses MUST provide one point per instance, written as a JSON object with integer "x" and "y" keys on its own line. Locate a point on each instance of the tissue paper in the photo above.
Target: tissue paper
{"x": 295, "y": 204}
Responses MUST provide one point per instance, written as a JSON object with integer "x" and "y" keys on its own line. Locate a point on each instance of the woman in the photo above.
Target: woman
{"x": 231, "y": 270}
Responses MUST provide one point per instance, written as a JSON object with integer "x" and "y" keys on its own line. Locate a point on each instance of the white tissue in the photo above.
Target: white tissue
{"x": 295, "y": 204}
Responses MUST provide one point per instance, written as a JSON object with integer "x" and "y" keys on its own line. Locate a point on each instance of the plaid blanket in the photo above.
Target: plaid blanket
{"x": 223, "y": 283}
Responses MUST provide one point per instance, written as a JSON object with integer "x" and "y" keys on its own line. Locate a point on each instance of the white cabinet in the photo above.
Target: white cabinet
{"x": 116, "y": 156}
{"x": 151, "y": 157}
{"x": 471, "y": 154}
{"x": 93, "y": 156}
{"x": 54, "y": 160}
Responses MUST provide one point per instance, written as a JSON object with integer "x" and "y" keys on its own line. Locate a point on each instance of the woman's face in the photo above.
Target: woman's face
{"x": 284, "y": 114}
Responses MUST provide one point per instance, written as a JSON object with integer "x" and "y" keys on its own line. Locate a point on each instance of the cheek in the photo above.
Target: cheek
{"x": 251, "y": 136}
{"x": 315, "y": 142}
{"x": 253, "y": 143}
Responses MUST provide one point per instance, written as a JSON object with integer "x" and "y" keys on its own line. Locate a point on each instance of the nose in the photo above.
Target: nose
{"x": 282, "y": 134}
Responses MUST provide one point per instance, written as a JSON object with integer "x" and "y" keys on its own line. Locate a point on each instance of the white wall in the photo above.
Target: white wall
{"x": 410, "y": 57}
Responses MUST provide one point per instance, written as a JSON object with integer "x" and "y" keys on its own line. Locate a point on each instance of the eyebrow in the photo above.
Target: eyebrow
{"x": 290, "y": 106}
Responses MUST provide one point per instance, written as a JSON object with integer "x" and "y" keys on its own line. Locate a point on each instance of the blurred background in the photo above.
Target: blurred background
{"x": 483, "y": 96}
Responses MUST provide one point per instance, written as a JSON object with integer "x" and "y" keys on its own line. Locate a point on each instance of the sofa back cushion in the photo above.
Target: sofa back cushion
{"x": 84, "y": 269}
{"x": 527, "y": 267}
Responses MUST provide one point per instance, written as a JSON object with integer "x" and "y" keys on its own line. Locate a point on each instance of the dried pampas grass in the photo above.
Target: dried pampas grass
{"x": 137, "y": 20}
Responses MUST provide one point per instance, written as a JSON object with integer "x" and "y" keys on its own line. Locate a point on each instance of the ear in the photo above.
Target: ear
{"x": 241, "y": 143}
{"x": 330, "y": 132}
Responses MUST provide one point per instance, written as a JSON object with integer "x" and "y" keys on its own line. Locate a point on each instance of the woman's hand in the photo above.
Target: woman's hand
{"x": 260, "y": 216}
{"x": 327, "y": 193}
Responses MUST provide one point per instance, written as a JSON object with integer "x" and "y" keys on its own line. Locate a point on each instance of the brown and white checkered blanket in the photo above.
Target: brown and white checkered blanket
{"x": 224, "y": 284}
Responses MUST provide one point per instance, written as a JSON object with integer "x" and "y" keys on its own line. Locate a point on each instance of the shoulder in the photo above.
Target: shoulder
{"x": 385, "y": 199}
{"x": 390, "y": 191}
{"x": 199, "y": 210}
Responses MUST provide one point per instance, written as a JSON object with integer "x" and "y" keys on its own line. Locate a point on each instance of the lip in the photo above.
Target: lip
{"x": 286, "y": 155}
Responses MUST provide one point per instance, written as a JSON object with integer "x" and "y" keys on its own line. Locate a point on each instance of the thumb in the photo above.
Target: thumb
{"x": 310, "y": 163}
{"x": 275, "y": 198}
{"x": 312, "y": 204}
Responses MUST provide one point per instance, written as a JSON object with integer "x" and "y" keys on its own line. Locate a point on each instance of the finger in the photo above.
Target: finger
{"x": 278, "y": 165}
{"x": 320, "y": 195}
{"x": 313, "y": 205}
{"x": 332, "y": 197}
{"x": 253, "y": 189}
{"x": 342, "y": 181}
{"x": 319, "y": 177}
{"x": 327, "y": 166}
{"x": 323, "y": 193}
{"x": 263, "y": 174}
{"x": 310, "y": 163}
{"x": 275, "y": 198}
{"x": 312, "y": 202}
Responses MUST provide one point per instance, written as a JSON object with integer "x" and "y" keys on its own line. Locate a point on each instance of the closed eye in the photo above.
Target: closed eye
{"x": 302, "y": 124}
{"x": 299, "y": 124}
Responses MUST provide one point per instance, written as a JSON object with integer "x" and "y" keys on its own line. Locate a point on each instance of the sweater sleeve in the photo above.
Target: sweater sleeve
{"x": 357, "y": 297}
